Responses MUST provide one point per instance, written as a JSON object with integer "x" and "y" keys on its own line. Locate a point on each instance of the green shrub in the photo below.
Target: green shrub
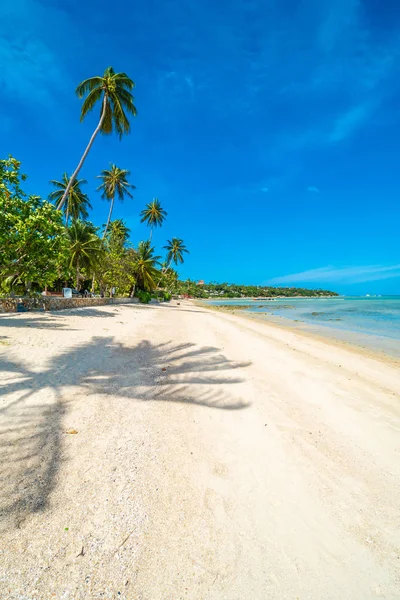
{"x": 167, "y": 296}
{"x": 143, "y": 296}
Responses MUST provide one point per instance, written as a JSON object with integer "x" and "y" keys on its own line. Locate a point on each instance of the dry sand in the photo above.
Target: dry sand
{"x": 216, "y": 458}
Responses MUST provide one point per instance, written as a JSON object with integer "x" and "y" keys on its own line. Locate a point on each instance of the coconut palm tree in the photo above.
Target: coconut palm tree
{"x": 145, "y": 267}
{"x": 85, "y": 247}
{"x": 175, "y": 249}
{"x": 113, "y": 91}
{"x": 153, "y": 215}
{"x": 118, "y": 230}
{"x": 114, "y": 183}
{"x": 77, "y": 203}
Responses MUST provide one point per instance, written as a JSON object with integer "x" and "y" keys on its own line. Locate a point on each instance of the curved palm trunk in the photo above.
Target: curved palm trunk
{"x": 109, "y": 217}
{"x": 66, "y": 218}
{"x": 78, "y": 168}
{"x": 151, "y": 234}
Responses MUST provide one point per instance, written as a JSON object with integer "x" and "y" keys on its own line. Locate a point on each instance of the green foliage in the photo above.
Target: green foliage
{"x": 153, "y": 215}
{"x": 32, "y": 243}
{"x": 143, "y": 296}
{"x": 168, "y": 280}
{"x": 115, "y": 183}
{"x": 85, "y": 248}
{"x": 77, "y": 203}
{"x": 117, "y": 265}
{"x": 175, "y": 249}
{"x": 145, "y": 269}
{"x": 167, "y": 296}
{"x": 11, "y": 177}
{"x": 118, "y": 232}
{"x": 113, "y": 89}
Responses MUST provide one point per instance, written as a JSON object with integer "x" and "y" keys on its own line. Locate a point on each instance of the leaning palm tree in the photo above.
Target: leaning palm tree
{"x": 114, "y": 183}
{"x": 175, "y": 249}
{"x": 77, "y": 203}
{"x": 145, "y": 267}
{"x": 153, "y": 215}
{"x": 113, "y": 90}
{"x": 85, "y": 247}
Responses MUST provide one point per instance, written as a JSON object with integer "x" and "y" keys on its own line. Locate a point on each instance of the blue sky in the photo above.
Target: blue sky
{"x": 269, "y": 130}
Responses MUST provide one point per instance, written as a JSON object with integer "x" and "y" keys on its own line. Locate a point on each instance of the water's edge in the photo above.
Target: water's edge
{"x": 367, "y": 323}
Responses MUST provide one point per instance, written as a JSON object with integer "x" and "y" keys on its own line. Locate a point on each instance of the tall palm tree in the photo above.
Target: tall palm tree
{"x": 85, "y": 247}
{"x": 113, "y": 90}
{"x": 114, "y": 183}
{"x": 145, "y": 267}
{"x": 77, "y": 203}
{"x": 153, "y": 215}
{"x": 175, "y": 249}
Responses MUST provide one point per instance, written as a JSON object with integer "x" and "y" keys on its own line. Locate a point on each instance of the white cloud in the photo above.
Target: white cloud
{"x": 341, "y": 274}
{"x": 312, "y": 188}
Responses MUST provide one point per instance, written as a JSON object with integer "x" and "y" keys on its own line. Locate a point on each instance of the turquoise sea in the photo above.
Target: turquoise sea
{"x": 369, "y": 321}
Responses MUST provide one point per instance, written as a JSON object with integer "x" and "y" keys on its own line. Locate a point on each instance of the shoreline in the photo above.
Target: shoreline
{"x": 303, "y": 329}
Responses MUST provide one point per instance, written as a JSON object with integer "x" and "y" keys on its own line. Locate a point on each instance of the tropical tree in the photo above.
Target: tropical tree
{"x": 168, "y": 280}
{"x": 77, "y": 203}
{"x": 118, "y": 232}
{"x": 145, "y": 267}
{"x": 175, "y": 250}
{"x": 117, "y": 266}
{"x": 153, "y": 215}
{"x": 115, "y": 183}
{"x": 113, "y": 91}
{"x": 85, "y": 247}
{"x": 32, "y": 243}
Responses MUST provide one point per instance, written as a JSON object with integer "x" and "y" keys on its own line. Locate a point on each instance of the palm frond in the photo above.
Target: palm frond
{"x": 90, "y": 101}
{"x": 122, "y": 79}
{"x": 107, "y": 126}
{"x": 88, "y": 85}
{"x": 127, "y": 100}
{"x": 120, "y": 119}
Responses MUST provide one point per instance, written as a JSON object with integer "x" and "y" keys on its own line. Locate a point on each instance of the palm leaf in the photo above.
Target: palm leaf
{"x": 88, "y": 85}
{"x": 107, "y": 127}
{"x": 91, "y": 99}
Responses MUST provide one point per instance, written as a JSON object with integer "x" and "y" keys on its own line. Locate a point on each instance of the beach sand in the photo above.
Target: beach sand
{"x": 215, "y": 457}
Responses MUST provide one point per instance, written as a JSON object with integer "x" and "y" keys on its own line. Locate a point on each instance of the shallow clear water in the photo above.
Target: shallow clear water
{"x": 371, "y": 321}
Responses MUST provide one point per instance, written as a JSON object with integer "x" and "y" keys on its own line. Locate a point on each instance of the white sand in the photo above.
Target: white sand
{"x": 260, "y": 464}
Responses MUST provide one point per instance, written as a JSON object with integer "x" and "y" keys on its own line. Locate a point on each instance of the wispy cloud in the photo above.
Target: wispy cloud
{"x": 264, "y": 190}
{"x": 349, "y": 121}
{"x": 313, "y": 189}
{"x": 340, "y": 274}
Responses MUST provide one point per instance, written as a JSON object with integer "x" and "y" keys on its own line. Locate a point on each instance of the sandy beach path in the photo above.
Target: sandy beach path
{"x": 215, "y": 458}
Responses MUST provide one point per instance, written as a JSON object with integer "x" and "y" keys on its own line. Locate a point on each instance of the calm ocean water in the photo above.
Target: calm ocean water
{"x": 373, "y": 322}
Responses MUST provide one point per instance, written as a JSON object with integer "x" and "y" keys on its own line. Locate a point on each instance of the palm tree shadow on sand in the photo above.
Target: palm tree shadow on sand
{"x": 35, "y": 403}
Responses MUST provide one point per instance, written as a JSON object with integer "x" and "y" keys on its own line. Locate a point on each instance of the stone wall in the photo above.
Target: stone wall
{"x": 11, "y": 305}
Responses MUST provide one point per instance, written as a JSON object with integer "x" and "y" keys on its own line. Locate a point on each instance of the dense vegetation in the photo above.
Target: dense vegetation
{"x": 50, "y": 243}
{"x": 231, "y": 290}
